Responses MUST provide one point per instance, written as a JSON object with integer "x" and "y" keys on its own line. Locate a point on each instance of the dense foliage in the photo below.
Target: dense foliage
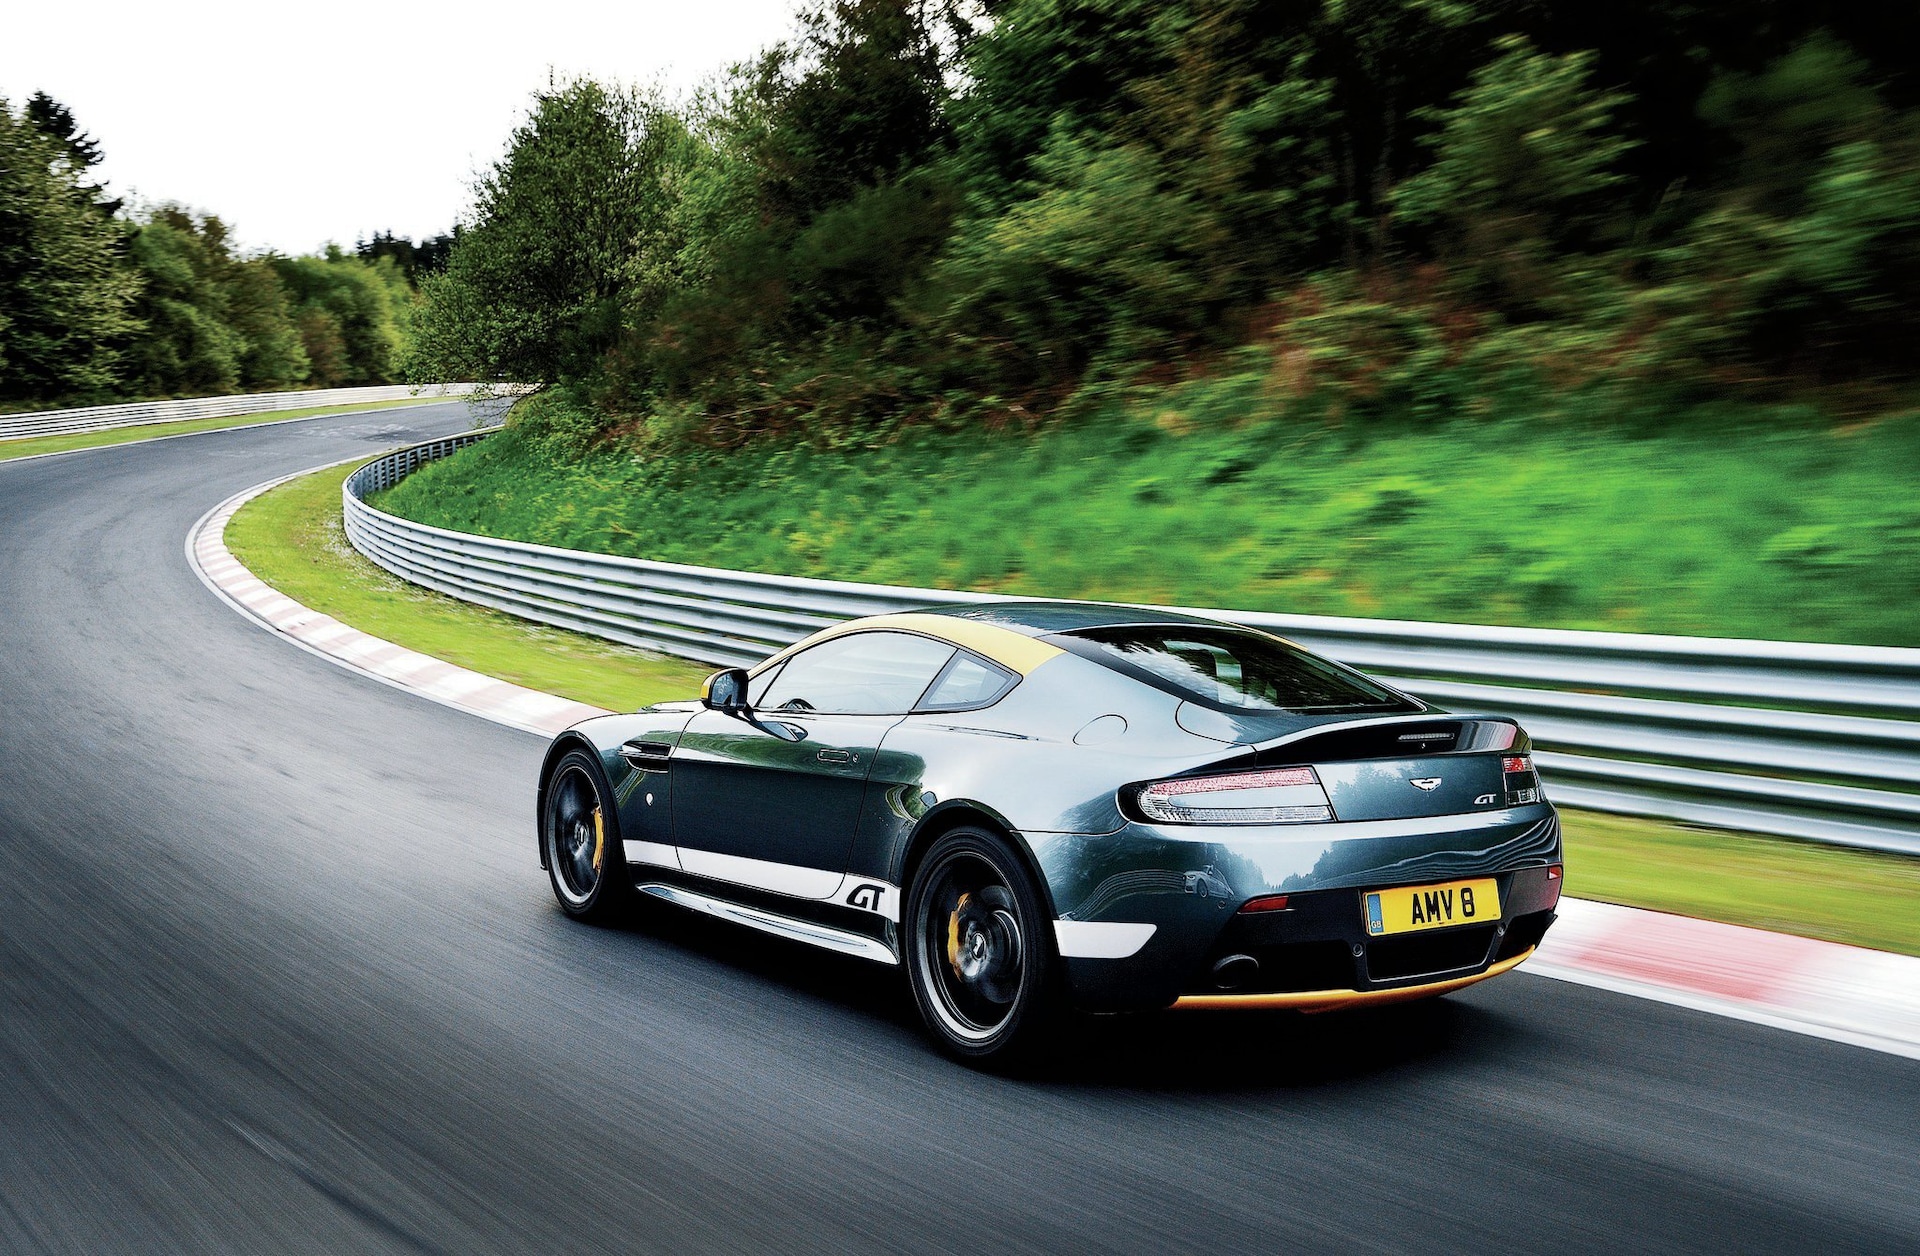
{"x": 98, "y": 304}
{"x": 927, "y": 209}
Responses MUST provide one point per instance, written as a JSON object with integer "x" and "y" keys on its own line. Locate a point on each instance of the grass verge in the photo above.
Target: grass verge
{"x": 28, "y": 446}
{"x": 1764, "y": 525}
{"x": 291, "y": 538}
{"x": 1859, "y": 897}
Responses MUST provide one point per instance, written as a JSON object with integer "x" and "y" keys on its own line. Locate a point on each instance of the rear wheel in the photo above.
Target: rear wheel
{"x": 582, "y": 842}
{"x": 980, "y": 952}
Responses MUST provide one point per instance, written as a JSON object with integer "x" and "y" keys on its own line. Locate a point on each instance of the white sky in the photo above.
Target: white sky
{"x": 300, "y": 124}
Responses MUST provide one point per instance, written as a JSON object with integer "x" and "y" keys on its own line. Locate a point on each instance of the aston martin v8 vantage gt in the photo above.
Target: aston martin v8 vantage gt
{"x": 1037, "y": 806}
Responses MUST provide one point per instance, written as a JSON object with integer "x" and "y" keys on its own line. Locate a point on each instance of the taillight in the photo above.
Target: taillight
{"x": 1526, "y": 791}
{"x": 1269, "y": 796}
{"x": 1553, "y": 885}
{"x": 1266, "y": 902}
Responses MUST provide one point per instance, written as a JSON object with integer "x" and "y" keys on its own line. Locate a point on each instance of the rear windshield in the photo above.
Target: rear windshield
{"x": 1232, "y": 670}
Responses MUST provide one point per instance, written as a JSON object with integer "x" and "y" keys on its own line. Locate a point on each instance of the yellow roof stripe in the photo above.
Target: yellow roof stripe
{"x": 1004, "y": 646}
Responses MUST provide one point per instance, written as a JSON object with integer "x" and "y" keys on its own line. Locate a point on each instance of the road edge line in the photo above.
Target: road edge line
{"x": 396, "y": 666}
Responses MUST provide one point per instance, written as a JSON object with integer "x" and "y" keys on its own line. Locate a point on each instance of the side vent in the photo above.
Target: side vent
{"x": 648, "y": 756}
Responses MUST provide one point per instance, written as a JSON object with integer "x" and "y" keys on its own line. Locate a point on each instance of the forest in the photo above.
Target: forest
{"x": 929, "y": 212}
{"x": 100, "y": 301}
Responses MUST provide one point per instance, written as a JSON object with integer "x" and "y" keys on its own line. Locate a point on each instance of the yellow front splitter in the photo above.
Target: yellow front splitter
{"x": 1335, "y": 1000}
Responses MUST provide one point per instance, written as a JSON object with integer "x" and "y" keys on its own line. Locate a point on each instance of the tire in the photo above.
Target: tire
{"x": 980, "y": 952}
{"x": 580, "y": 836}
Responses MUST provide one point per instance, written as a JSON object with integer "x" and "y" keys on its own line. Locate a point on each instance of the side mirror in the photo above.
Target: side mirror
{"x": 725, "y": 690}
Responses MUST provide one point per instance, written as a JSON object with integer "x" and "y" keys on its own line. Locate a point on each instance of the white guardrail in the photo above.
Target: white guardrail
{"x": 1820, "y": 742}
{"x": 139, "y": 413}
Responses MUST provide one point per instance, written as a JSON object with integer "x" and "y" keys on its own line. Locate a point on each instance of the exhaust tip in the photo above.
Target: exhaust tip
{"x": 1235, "y": 971}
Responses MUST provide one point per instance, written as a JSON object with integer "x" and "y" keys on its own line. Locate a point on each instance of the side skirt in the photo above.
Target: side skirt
{"x": 811, "y": 932}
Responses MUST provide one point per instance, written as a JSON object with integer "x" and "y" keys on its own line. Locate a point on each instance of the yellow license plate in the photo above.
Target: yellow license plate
{"x": 1415, "y": 907}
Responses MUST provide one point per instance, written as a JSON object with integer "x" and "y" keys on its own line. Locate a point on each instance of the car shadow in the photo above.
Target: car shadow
{"x": 855, "y": 986}
{"x": 1238, "y": 1052}
{"x": 1165, "y": 1052}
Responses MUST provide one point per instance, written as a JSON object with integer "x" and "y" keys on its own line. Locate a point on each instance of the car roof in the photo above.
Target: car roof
{"x": 1012, "y": 634}
{"x": 1039, "y": 619}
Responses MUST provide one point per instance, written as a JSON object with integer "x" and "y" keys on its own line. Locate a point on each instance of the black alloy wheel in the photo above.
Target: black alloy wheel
{"x": 980, "y": 953}
{"x": 582, "y": 842}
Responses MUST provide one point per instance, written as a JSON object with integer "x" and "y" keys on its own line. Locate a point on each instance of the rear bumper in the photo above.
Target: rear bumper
{"x": 1315, "y": 955}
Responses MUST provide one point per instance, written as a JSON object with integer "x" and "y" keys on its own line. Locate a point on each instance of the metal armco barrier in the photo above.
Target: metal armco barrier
{"x": 1790, "y": 739}
{"x": 138, "y": 413}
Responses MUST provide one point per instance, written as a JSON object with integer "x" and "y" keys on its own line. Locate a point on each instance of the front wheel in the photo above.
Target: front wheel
{"x": 581, "y": 840}
{"x": 980, "y": 952}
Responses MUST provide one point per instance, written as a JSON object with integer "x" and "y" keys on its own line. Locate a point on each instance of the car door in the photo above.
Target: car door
{"x": 772, "y": 801}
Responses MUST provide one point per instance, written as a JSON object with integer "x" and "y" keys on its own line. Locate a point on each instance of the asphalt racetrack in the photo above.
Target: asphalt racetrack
{"x": 279, "y": 972}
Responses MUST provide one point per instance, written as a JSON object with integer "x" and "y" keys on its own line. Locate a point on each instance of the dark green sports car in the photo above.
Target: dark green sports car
{"x": 1037, "y": 806}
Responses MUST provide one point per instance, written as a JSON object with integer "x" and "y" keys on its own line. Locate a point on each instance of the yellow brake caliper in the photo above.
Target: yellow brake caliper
{"x": 953, "y": 935}
{"x": 599, "y": 839}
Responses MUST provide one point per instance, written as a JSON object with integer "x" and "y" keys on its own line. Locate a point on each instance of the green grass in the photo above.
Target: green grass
{"x": 1771, "y": 525}
{"x": 291, "y": 538}
{"x": 27, "y": 446}
{"x": 1858, "y": 897}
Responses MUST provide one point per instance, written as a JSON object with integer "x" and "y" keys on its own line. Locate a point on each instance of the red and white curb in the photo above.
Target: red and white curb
{"x": 527, "y": 709}
{"x": 1843, "y": 993}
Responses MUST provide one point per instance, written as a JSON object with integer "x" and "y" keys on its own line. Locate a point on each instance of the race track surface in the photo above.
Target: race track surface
{"x": 279, "y": 972}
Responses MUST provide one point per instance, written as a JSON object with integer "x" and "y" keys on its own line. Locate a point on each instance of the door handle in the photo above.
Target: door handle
{"x": 835, "y": 756}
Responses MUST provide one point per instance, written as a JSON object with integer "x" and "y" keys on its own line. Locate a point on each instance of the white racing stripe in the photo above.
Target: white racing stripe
{"x": 761, "y": 874}
{"x": 657, "y": 853}
{"x": 772, "y": 922}
{"x": 862, "y": 893}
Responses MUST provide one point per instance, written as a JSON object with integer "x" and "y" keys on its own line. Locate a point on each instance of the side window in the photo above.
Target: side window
{"x": 863, "y": 673}
{"x": 967, "y": 682}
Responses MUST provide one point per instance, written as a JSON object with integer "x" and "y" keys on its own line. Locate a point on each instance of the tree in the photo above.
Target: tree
{"x": 1525, "y": 173}
{"x": 414, "y": 260}
{"x": 354, "y": 317}
{"x": 856, "y": 99}
{"x": 57, "y": 121}
{"x": 215, "y": 322}
{"x": 273, "y": 354}
{"x": 65, "y": 295}
{"x": 189, "y": 347}
{"x": 535, "y": 288}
